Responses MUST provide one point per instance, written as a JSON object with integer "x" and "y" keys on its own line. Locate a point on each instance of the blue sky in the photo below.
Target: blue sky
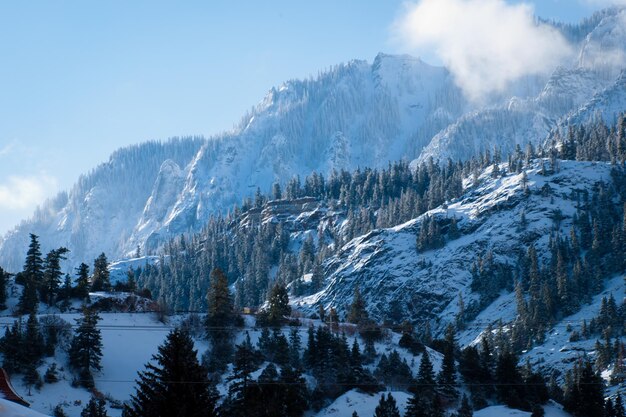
{"x": 80, "y": 79}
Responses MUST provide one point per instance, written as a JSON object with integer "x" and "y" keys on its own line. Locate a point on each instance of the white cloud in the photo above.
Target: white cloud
{"x": 26, "y": 192}
{"x": 486, "y": 44}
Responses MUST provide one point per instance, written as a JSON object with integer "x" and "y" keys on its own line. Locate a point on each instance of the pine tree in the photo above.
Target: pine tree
{"x": 279, "y": 307}
{"x": 31, "y": 377}
{"x": 447, "y": 377}
{"x": 421, "y": 402}
{"x": 82, "y": 282}
{"x": 100, "y": 279}
{"x": 173, "y": 384}
{"x": 219, "y": 322}
{"x": 294, "y": 392}
{"x": 33, "y": 343}
{"x": 94, "y": 408}
{"x": 221, "y": 311}
{"x": 357, "y": 313}
{"x": 591, "y": 388}
{"x": 52, "y": 275}
{"x": 4, "y": 281}
{"x": 12, "y": 348}
{"x": 509, "y": 380}
{"x": 295, "y": 345}
{"x": 387, "y": 407}
{"x": 245, "y": 363}
{"x": 32, "y": 277}
{"x": 85, "y": 350}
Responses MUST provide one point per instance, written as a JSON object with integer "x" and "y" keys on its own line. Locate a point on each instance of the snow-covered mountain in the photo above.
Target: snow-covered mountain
{"x": 353, "y": 115}
{"x": 386, "y": 265}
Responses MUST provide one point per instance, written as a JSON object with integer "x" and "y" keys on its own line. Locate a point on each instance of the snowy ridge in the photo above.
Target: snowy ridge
{"x": 386, "y": 267}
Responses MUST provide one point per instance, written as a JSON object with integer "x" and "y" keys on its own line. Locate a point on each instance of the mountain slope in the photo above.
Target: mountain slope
{"x": 387, "y": 267}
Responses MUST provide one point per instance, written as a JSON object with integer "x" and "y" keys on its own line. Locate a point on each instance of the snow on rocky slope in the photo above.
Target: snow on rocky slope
{"x": 386, "y": 266}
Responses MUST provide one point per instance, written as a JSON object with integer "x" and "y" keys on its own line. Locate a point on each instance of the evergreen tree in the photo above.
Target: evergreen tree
{"x": 295, "y": 345}
{"x": 387, "y": 407}
{"x": 219, "y": 322}
{"x": 294, "y": 392}
{"x": 31, "y": 377}
{"x": 52, "y": 275}
{"x": 421, "y": 402}
{"x": 357, "y": 313}
{"x": 94, "y": 408}
{"x": 32, "y": 276}
{"x": 33, "y": 343}
{"x": 85, "y": 350}
{"x": 509, "y": 381}
{"x": 221, "y": 311}
{"x": 591, "y": 388}
{"x": 447, "y": 377}
{"x": 4, "y": 281}
{"x": 100, "y": 279}
{"x": 245, "y": 363}
{"x": 65, "y": 293}
{"x": 82, "y": 282}
{"x": 12, "y": 348}
{"x": 173, "y": 384}
{"x": 279, "y": 307}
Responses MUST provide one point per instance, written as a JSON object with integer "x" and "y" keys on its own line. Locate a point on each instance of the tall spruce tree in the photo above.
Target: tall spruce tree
{"x": 49, "y": 289}
{"x": 421, "y": 402}
{"x": 32, "y": 277}
{"x": 33, "y": 344}
{"x": 357, "y": 313}
{"x": 447, "y": 377}
{"x": 82, "y": 282}
{"x": 85, "y": 350}
{"x": 279, "y": 307}
{"x": 246, "y": 362}
{"x": 100, "y": 280}
{"x": 219, "y": 321}
{"x": 12, "y": 348}
{"x": 173, "y": 384}
{"x": 4, "y": 281}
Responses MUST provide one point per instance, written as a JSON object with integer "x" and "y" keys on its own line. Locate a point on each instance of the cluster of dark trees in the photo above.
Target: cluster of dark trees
{"x": 43, "y": 281}
{"x": 24, "y": 345}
